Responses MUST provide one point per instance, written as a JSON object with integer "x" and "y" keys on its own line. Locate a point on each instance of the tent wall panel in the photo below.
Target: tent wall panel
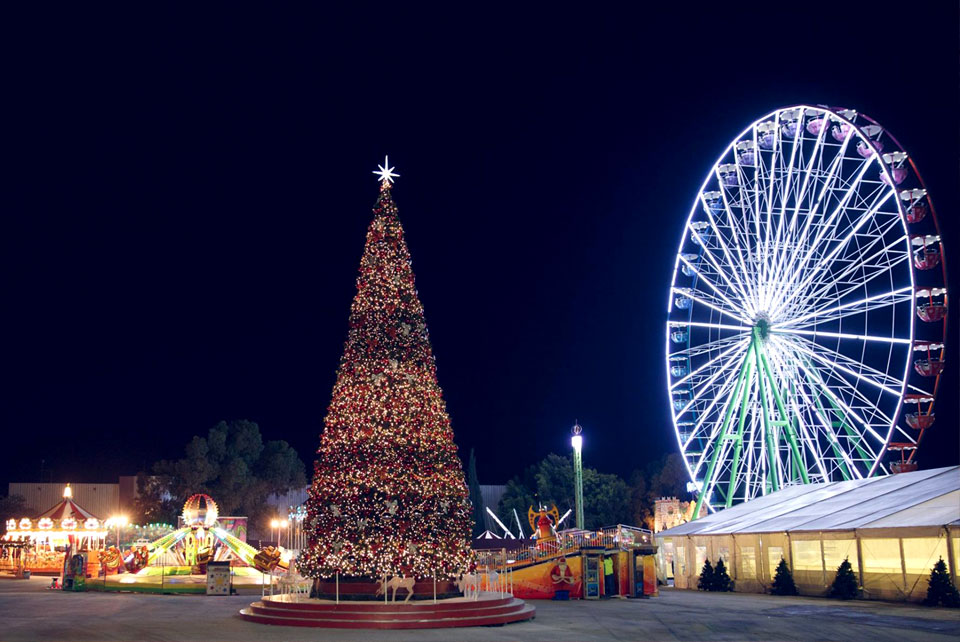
{"x": 681, "y": 567}
{"x": 665, "y": 558}
{"x": 919, "y": 556}
{"x": 954, "y": 550}
{"x": 807, "y": 555}
{"x": 746, "y": 553}
{"x": 773, "y": 547}
{"x": 882, "y": 568}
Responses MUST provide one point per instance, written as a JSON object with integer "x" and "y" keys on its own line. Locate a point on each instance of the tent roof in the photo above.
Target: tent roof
{"x": 920, "y": 498}
{"x": 67, "y": 508}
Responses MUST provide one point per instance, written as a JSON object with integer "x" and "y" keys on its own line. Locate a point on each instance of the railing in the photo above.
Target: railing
{"x": 619, "y": 537}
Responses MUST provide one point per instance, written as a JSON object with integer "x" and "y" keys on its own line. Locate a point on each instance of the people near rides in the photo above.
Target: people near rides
{"x": 609, "y": 585}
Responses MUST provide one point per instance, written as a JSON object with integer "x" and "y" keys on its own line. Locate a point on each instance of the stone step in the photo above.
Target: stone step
{"x": 466, "y": 609}
{"x": 449, "y": 614}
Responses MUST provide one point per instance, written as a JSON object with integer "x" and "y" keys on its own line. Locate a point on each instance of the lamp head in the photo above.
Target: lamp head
{"x": 577, "y": 439}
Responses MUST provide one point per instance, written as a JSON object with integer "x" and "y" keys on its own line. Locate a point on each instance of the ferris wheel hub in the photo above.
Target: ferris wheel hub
{"x": 762, "y": 325}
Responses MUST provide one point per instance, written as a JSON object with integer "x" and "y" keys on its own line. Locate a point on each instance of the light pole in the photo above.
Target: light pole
{"x": 577, "y": 442}
{"x": 119, "y": 521}
{"x": 283, "y": 524}
{"x": 275, "y": 525}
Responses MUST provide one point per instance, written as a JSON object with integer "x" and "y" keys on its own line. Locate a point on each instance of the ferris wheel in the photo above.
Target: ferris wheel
{"x": 807, "y": 313}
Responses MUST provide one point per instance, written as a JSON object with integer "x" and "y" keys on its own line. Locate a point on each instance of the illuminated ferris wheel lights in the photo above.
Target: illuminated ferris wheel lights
{"x": 793, "y": 244}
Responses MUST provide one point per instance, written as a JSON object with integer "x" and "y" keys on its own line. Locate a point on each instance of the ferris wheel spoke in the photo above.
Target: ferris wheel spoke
{"x": 723, "y": 246}
{"x": 719, "y": 434}
{"x": 747, "y": 394}
{"x": 832, "y": 175}
{"x": 867, "y": 405}
{"x": 834, "y": 360}
{"x": 787, "y": 174}
{"x": 850, "y": 309}
{"x": 723, "y": 355}
{"x": 717, "y": 270}
{"x": 810, "y": 176}
{"x": 704, "y": 387}
{"x": 824, "y": 262}
{"x": 788, "y": 382}
{"x": 824, "y": 298}
{"x": 704, "y": 348}
{"x": 843, "y": 414}
{"x": 786, "y": 331}
{"x": 829, "y": 222}
{"x": 834, "y": 398}
{"x": 783, "y": 234}
{"x": 716, "y": 326}
{"x": 705, "y": 415}
{"x": 863, "y": 270}
{"x": 705, "y": 299}
{"x": 819, "y": 413}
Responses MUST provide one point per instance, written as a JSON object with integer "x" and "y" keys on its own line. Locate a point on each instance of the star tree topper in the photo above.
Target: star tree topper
{"x": 385, "y": 172}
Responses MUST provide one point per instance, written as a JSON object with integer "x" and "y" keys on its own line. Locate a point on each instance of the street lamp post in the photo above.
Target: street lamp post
{"x": 275, "y": 526}
{"x": 283, "y": 524}
{"x": 577, "y": 442}
{"x": 119, "y": 521}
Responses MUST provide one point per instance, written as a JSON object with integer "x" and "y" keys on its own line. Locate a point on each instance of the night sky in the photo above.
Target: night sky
{"x": 188, "y": 193}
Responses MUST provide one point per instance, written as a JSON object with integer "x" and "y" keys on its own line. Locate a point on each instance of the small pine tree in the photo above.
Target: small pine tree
{"x": 705, "y": 583}
{"x": 721, "y": 580}
{"x": 783, "y": 583}
{"x": 940, "y": 588}
{"x": 845, "y": 585}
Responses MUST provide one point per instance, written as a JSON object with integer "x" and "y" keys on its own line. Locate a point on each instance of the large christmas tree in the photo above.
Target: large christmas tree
{"x": 388, "y": 494}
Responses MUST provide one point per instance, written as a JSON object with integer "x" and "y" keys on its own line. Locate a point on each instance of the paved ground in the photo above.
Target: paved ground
{"x": 30, "y": 612}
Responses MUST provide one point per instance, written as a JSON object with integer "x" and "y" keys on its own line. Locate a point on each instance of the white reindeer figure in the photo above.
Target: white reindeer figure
{"x": 396, "y": 582}
{"x": 469, "y": 585}
{"x": 492, "y": 581}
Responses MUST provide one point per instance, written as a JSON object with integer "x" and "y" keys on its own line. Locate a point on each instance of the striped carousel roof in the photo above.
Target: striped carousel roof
{"x": 67, "y": 508}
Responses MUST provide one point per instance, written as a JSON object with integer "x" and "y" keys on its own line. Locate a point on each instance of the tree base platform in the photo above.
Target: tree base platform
{"x": 489, "y": 609}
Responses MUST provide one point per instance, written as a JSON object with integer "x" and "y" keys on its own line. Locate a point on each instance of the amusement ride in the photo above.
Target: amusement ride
{"x": 807, "y": 311}
{"x": 188, "y": 550}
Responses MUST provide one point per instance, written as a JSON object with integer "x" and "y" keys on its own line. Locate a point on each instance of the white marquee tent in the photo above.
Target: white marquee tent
{"x": 893, "y": 529}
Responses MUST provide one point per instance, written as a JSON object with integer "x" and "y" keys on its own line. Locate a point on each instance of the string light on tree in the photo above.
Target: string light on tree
{"x": 388, "y": 495}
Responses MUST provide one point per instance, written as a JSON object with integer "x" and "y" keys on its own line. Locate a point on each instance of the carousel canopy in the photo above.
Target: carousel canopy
{"x": 67, "y": 508}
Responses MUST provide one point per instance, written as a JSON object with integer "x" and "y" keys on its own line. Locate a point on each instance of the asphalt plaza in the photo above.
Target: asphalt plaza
{"x": 32, "y": 612}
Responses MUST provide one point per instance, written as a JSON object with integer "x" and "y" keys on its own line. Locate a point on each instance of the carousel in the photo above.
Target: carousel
{"x": 38, "y": 544}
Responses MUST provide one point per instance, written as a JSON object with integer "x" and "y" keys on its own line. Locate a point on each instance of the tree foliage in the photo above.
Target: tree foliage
{"x": 783, "y": 583}
{"x": 476, "y": 497}
{"x": 13, "y": 507}
{"x": 721, "y": 579}
{"x": 665, "y": 477}
{"x": 940, "y": 588}
{"x": 706, "y": 579}
{"x": 232, "y": 464}
{"x": 845, "y": 585}
{"x": 606, "y": 497}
